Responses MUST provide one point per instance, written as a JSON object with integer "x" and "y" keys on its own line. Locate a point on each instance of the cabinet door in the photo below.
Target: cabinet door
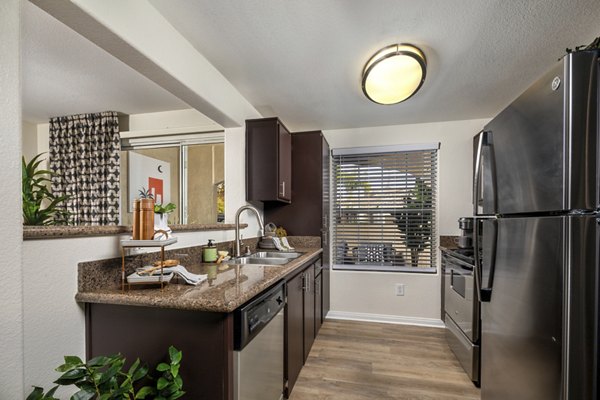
{"x": 285, "y": 164}
{"x": 318, "y": 302}
{"x": 309, "y": 310}
{"x": 294, "y": 331}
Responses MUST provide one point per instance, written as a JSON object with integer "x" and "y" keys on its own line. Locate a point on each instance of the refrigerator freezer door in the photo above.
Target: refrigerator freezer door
{"x": 544, "y": 143}
{"x": 522, "y": 323}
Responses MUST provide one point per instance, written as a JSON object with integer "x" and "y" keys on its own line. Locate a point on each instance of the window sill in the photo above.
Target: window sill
{"x": 62, "y": 232}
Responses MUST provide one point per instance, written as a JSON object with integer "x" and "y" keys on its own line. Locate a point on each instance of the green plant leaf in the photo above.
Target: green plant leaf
{"x": 175, "y": 370}
{"x": 111, "y": 371}
{"x": 99, "y": 361}
{"x": 134, "y": 366}
{"x": 50, "y": 394}
{"x": 37, "y": 394}
{"x": 73, "y": 360}
{"x": 175, "y": 355}
{"x": 162, "y": 367}
{"x": 161, "y": 209}
{"x": 178, "y": 381}
{"x": 176, "y": 395}
{"x": 140, "y": 373}
{"x": 162, "y": 383}
{"x": 83, "y": 395}
{"x": 144, "y": 391}
{"x": 71, "y": 376}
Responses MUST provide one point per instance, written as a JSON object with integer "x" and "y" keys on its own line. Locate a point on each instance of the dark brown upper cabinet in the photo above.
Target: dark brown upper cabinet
{"x": 268, "y": 161}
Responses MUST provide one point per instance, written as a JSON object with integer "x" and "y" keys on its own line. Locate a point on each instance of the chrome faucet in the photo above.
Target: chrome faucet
{"x": 237, "y": 226}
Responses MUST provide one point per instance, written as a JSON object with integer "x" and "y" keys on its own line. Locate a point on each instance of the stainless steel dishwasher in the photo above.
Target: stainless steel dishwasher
{"x": 258, "y": 347}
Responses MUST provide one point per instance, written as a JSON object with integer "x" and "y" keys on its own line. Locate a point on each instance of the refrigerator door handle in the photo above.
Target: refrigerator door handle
{"x": 484, "y": 182}
{"x": 484, "y": 293}
{"x": 477, "y": 175}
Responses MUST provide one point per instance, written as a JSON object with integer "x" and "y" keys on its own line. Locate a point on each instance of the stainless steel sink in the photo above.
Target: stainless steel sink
{"x": 276, "y": 254}
{"x": 260, "y": 260}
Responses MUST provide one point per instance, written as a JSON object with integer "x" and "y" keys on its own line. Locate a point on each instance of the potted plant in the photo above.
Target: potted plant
{"x": 161, "y": 217}
{"x": 105, "y": 378}
{"x": 40, "y": 205}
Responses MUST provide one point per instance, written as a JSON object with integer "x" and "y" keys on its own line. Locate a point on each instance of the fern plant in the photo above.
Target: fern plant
{"x": 40, "y": 205}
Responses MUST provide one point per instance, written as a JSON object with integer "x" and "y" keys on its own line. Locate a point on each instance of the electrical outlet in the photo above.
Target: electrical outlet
{"x": 399, "y": 289}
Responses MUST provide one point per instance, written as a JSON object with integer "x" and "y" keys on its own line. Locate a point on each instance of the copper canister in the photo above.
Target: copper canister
{"x": 146, "y": 219}
{"x": 136, "y": 219}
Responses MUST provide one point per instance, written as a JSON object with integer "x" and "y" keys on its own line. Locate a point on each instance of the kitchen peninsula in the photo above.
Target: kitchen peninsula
{"x": 199, "y": 320}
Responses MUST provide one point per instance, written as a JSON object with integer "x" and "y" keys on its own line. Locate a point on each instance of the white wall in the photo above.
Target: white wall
{"x": 29, "y": 144}
{"x": 54, "y": 322}
{"x": 11, "y": 291}
{"x": 370, "y": 295}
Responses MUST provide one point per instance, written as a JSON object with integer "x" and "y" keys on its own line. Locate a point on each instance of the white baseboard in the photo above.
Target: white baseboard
{"x": 386, "y": 319}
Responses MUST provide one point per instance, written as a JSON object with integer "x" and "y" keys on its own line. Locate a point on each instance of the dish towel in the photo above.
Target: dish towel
{"x": 188, "y": 277}
{"x": 282, "y": 243}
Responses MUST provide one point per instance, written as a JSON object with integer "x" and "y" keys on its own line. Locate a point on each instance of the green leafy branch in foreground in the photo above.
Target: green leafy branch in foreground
{"x": 103, "y": 378}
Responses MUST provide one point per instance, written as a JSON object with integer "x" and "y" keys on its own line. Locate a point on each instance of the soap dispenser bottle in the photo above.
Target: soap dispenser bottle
{"x": 209, "y": 253}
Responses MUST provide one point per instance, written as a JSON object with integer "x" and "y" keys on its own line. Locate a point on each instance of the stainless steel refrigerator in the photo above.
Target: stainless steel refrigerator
{"x": 536, "y": 171}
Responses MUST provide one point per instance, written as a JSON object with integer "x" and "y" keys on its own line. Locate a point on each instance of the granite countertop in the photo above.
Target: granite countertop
{"x": 227, "y": 286}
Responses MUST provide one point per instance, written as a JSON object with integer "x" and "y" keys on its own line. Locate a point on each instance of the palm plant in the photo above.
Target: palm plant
{"x": 40, "y": 205}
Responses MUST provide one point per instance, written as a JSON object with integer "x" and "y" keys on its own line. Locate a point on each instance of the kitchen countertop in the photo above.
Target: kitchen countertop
{"x": 227, "y": 287}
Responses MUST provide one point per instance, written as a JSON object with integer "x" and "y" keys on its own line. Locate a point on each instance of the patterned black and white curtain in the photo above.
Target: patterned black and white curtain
{"x": 84, "y": 158}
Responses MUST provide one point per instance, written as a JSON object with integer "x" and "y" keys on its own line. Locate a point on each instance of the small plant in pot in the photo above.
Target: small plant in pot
{"x": 161, "y": 217}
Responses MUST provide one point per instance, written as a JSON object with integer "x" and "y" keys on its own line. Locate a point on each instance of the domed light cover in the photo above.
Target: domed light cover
{"x": 394, "y": 74}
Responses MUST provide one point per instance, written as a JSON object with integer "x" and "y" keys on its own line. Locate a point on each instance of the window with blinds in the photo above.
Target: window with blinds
{"x": 384, "y": 204}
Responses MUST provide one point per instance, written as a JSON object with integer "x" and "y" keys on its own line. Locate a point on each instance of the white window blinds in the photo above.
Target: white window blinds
{"x": 384, "y": 207}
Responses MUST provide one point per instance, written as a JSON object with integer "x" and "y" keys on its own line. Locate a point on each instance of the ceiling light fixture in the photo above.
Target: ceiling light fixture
{"x": 394, "y": 74}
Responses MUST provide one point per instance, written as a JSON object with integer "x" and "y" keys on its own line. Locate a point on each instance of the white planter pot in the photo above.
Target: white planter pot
{"x": 161, "y": 223}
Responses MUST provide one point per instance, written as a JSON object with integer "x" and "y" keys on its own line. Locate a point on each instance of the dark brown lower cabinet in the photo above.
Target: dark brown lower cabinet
{"x": 294, "y": 331}
{"x": 205, "y": 338}
{"x": 318, "y": 302}
{"x": 309, "y": 309}
{"x": 303, "y": 314}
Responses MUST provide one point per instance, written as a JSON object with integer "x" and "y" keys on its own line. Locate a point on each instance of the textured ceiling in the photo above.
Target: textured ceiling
{"x": 302, "y": 60}
{"x": 64, "y": 73}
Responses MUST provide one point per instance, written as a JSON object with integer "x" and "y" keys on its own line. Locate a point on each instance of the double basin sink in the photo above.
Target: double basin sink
{"x": 267, "y": 258}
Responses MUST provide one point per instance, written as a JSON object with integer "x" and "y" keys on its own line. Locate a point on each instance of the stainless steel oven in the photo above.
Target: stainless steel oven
{"x": 462, "y": 313}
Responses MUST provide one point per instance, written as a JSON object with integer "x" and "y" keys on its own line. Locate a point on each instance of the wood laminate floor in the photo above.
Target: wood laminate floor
{"x": 359, "y": 360}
